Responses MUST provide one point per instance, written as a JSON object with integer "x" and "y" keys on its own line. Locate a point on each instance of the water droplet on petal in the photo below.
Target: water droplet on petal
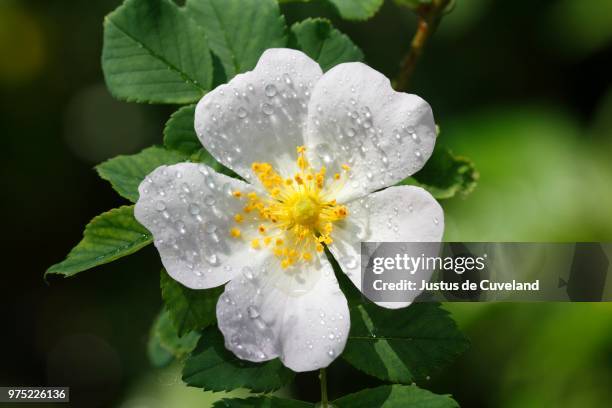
{"x": 325, "y": 152}
{"x": 247, "y": 271}
{"x": 270, "y": 90}
{"x": 209, "y": 200}
{"x": 159, "y": 206}
{"x": 242, "y": 113}
{"x": 267, "y": 109}
{"x": 253, "y": 312}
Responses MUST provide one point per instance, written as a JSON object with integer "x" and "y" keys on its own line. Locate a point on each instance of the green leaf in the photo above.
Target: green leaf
{"x": 125, "y": 173}
{"x": 395, "y": 396}
{"x": 179, "y": 132}
{"x": 212, "y": 367}
{"x": 165, "y": 344}
{"x": 446, "y": 175}
{"x": 402, "y": 345}
{"x": 262, "y": 402}
{"x": 153, "y": 52}
{"x": 351, "y": 9}
{"x": 239, "y": 31}
{"x": 357, "y": 9}
{"x": 189, "y": 309}
{"x": 323, "y": 43}
{"x": 109, "y": 236}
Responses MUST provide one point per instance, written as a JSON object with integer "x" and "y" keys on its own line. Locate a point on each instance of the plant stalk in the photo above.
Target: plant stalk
{"x": 429, "y": 18}
{"x": 323, "y": 380}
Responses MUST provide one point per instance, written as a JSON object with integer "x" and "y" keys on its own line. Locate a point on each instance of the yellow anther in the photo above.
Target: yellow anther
{"x": 238, "y": 218}
{"x": 237, "y": 194}
{"x": 319, "y": 247}
{"x": 252, "y": 195}
{"x": 261, "y": 229}
{"x": 267, "y": 241}
{"x": 255, "y": 244}
{"x": 336, "y": 176}
{"x": 285, "y": 263}
{"x": 235, "y": 232}
{"x": 278, "y": 242}
{"x": 307, "y": 256}
{"x": 301, "y": 149}
{"x": 346, "y": 167}
{"x": 288, "y": 181}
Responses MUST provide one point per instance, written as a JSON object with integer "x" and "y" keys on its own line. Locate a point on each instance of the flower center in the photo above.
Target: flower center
{"x": 305, "y": 211}
{"x": 297, "y": 217}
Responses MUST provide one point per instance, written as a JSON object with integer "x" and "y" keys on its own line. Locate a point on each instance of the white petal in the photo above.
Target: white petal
{"x": 259, "y": 116}
{"x": 299, "y": 316}
{"x": 189, "y": 210}
{"x": 396, "y": 214}
{"x": 356, "y": 118}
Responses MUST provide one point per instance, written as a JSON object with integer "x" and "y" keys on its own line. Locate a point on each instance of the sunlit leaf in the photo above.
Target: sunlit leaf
{"x": 446, "y": 175}
{"x": 323, "y": 43}
{"x": 109, "y": 236}
{"x": 153, "y": 52}
{"x": 165, "y": 344}
{"x": 239, "y": 31}
{"x": 395, "y": 396}
{"x": 189, "y": 309}
{"x": 125, "y": 173}
{"x": 212, "y": 367}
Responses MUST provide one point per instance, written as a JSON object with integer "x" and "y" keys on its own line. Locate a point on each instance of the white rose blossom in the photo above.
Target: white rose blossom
{"x": 315, "y": 151}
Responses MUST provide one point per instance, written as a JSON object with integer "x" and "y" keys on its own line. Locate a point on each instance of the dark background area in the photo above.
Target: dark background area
{"x": 523, "y": 88}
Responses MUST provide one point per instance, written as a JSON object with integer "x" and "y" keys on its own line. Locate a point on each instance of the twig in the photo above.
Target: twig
{"x": 429, "y": 18}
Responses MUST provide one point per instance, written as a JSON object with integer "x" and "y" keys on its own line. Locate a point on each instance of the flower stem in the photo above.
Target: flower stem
{"x": 323, "y": 380}
{"x": 429, "y": 18}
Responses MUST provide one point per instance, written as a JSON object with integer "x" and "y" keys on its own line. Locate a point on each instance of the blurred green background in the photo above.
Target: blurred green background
{"x": 523, "y": 88}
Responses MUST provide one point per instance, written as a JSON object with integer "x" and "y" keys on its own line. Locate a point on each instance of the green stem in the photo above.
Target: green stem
{"x": 429, "y": 18}
{"x": 323, "y": 380}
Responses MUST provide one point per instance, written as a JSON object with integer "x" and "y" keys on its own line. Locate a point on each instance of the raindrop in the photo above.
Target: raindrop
{"x": 210, "y": 227}
{"x": 267, "y": 108}
{"x": 209, "y": 200}
{"x": 350, "y": 132}
{"x": 242, "y": 113}
{"x": 194, "y": 209}
{"x": 325, "y": 152}
{"x": 253, "y": 312}
{"x": 287, "y": 79}
{"x": 418, "y": 154}
{"x": 270, "y": 90}
{"x": 330, "y": 353}
{"x": 436, "y": 221}
{"x": 247, "y": 271}
{"x": 160, "y": 206}
{"x": 349, "y": 261}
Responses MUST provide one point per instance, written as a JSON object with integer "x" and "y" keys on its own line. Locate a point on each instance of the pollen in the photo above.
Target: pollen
{"x": 298, "y": 215}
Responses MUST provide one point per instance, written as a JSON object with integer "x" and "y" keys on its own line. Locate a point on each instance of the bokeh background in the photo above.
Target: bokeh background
{"x": 523, "y": 88}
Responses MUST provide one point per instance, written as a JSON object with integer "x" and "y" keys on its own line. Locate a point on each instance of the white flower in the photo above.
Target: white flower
{"x": 314, "y": 149}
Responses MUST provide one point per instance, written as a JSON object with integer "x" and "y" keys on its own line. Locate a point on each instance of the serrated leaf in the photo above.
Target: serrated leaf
{"x": 153, "y": 52}
{"x": 357, "y": 9}
{"x": 323, "y": 43}
{"x": 212, "y": 367}
{"x": 446, "y": 175}
{"x": 125, "y": 173}
{"x": 239, "y": 31}
{"x": 179, "y": 132}
{"x": 165, "y": 344}
{"x": 402, "y": 345}
{"x": 351, "y": 9}
{"x": 395, "y": 396}
{"x": 109, "y": 236}
{"x": 262, "y": 402}
{"x": 189, "y": 309}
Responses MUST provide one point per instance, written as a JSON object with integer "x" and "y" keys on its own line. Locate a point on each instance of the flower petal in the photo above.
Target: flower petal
{"x": 259, "y": 116}
{"x": 356, "y": 118}
{"x": 188, "y": 208}
{"x": 300, "y": 316}
{"x": 396, "y": 214}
